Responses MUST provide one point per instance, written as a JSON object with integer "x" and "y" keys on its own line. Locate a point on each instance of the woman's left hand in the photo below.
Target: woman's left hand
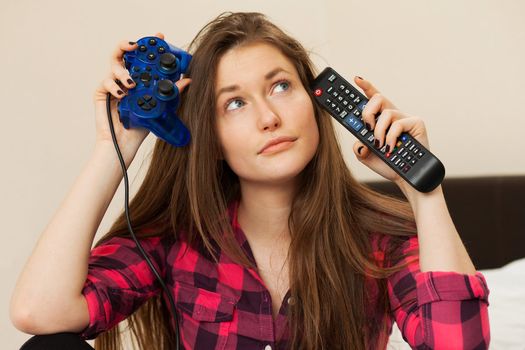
{"x": 388, "y": 126}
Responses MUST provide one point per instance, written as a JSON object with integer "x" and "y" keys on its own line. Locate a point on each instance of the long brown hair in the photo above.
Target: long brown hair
{"x": 330, "y": 223}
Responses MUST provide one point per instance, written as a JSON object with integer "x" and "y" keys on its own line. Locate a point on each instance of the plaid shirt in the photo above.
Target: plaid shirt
{"x": 226, "y": 306}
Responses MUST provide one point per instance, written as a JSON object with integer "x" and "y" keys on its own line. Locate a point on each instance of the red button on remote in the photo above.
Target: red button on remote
{"x": 318, "y": 92}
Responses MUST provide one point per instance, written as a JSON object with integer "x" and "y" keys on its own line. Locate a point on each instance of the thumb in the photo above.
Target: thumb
{"x": 361, "y": 151}
{"x": 182, "y": 83}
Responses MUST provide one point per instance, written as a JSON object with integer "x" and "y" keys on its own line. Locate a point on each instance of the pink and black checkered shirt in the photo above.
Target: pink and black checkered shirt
{"x": 226, "y": 306}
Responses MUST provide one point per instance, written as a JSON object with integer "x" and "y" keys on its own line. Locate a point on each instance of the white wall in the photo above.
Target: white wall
{"x": 457, "y": 64}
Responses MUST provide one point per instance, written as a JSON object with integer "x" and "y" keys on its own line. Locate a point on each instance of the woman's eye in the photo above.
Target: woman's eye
{"x": 232, "y": 102}
{"x": 285, "y": 83}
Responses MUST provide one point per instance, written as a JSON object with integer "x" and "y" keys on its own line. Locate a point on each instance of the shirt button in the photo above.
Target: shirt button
{"x": 268, "y": 347}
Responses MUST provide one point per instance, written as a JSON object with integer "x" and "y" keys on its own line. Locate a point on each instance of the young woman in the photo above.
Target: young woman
{"x": 262, "y": 245}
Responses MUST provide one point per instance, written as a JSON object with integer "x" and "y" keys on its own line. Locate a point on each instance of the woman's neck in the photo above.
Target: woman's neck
{"x": 264, "y": 211}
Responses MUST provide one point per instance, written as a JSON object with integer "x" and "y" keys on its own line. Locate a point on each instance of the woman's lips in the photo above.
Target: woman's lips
{"x": 281, "y": 146}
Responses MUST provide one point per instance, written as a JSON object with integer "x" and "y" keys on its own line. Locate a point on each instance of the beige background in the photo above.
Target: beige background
{"x": 457, "y": 64}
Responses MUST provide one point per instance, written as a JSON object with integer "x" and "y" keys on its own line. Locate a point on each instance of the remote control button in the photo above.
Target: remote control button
{"x": 327, "y": 102}
{"x": 413, "y": 161}
{"x": 143, "y": 48}
{"x": 333, "y": 106}
{"x": 152, "y": 42}
{"x": 393, "y": 158}
{"x": 398, "y": 160}
{"x": 342, "y": 87}
{"x": 340, "y": 98}
{"x": 404, "y": 138}
{"x": 330, "y": 89}
{"x": 347, "y": 92}
{"x": 420, "y": 154}
{"x": 400, "y": 150}
{"x": 371, "y": 138}
{"x": 343, "y": 114}
{"x": 332, "y": 78}
{"x": 335, "y": 94}
{"x": 411, "y": 147}
{"x": 357, "y": 100}
{"x": 352, "y": 96}
{"x": 408, "y": 143}
{"x": 402, "y": 164}
{"x": 337, "y": 109}
{"x": 168, "y": 61}
{"x": 383, "y": 149}
{"x": 357, "y": 113}
{"x": 407, "y": 168}
{"x": 318, "y": 92}
{"x": 416, "y": 150}
{"x": 363, "y": 132}
{"x": 350, "y": 107}
{"x": 404, "y": 154}
{"x": 161, "y": 50}
{"x": 409, "y": 158}
{"x": 166, "y": 87}
{"x": 345, "y": 103}
{"x": 145, "y": 76}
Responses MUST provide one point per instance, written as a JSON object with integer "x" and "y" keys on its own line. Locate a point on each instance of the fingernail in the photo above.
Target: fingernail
{"x": 368, "y": 126}
{"x": 376, "y": 143}
{"x": 120, "y": 92}
{"x": 359, "y": 149}
{"x": 130, "y": 81}
{"x": 387, "y": 148}
{"x": 132, "y": 43}
{"x": 358, "y": 77}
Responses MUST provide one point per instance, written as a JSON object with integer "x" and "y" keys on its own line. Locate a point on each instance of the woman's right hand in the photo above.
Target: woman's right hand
{"x": 117, "y": 84}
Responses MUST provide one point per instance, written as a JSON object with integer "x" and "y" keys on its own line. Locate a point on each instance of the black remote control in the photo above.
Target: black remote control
{"x": 409, "y": 158}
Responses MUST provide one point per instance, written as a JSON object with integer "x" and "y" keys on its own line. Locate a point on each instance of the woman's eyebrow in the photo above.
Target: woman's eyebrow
{"x": 268, "y": 76}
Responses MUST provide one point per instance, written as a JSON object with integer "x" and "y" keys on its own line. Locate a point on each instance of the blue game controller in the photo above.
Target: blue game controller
{"x": 155, "y": 66}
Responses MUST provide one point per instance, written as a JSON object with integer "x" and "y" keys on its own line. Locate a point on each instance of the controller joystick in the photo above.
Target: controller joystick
{"x": 155, "y": 66}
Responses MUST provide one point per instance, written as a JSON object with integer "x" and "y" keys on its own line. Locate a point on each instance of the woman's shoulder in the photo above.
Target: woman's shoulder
{"x": 392, "y": 247}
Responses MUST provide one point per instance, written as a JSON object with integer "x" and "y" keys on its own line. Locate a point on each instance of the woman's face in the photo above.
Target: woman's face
{"x": 260, "y": 97}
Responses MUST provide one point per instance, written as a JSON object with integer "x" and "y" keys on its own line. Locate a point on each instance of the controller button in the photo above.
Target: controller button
{"x": 168, "y": 61}
{"x": 148, "y": 68}
{"x": 147, "y": 97}
{"x": 142, "y": 48}
{"x": 153, "y": 103}
{"x": 140, "y": 102}
{"x": 146, "y": 107}
{"x": 166, "y": 87}
{"x": 161, "y": 50}
{"x": 151, "y": 56}
{"x": 135, "y": 76}
{"x": 152, "y": 42}
{"x": 136, "y": 69}
{"x": 145, "y": 76}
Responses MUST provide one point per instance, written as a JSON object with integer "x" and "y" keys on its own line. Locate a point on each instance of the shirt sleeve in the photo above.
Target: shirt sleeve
{"x": 439, "y": 310}
{"x": 119, "y": 281}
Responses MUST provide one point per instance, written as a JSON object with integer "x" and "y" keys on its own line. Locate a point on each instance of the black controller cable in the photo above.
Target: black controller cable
{"x": 126, "y": 202}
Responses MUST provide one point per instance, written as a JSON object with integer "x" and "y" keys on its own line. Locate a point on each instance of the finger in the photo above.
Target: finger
{"x": 397, "y": 128}
{"x": 122, "y": 48}
{"x": 366, "y": 86}
{"x": 387, "y": 117}
{"x": 372, "y": 110}
{"x": 160, "y": 35}
{"x": 112, "y": 87}
{"x": 122, "y": 74}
